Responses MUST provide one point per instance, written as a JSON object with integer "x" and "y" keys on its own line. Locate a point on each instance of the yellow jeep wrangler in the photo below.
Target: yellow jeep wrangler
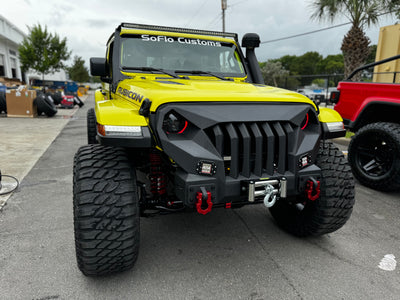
{"x": 184, "y": 122}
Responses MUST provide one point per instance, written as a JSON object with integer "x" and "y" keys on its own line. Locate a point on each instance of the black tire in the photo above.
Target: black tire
{"x": 106, "y": 210}
{"x": 374, "y": 155}
{"x": 49, "y": 96}
{"x": 334, "y": 206}
{"x": 39, "y": 102}
{"x": 91, "y": 126}
{"x": 78, "y": 101}
{"x": 3, "y": 103}
{"x": 45, "y": 105}
{"x": 57, "y": 97}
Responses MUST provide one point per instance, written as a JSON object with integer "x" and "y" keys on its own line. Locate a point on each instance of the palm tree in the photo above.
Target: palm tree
{"x": 361, "y": 14}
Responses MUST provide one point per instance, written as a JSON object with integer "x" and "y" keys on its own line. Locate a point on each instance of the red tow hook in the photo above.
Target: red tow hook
{"x": 313, "y": 189}
{"x": 203, "y": 196}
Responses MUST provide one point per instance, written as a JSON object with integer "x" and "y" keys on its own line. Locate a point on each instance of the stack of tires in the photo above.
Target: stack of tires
{"x": 46, "y": 102}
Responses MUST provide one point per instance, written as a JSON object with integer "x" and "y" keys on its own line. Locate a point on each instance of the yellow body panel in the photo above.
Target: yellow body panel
{"x": 327, "y": 115}
{"x": 98, "y": 96}
{"x": 118, "y": 112}
{"x": 200, "y": 89}
{"x": 123, "y": 109}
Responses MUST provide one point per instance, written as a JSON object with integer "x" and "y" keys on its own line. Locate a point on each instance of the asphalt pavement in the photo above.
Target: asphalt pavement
{"x": 24, "y": 140}
{"x": 227, "y": 254}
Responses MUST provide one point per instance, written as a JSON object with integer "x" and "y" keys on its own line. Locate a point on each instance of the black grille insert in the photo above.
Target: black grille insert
{"x": 256, "y": 147}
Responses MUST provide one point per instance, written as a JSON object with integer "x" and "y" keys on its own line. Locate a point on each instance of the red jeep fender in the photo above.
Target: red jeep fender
{"x": 373, "y": 100}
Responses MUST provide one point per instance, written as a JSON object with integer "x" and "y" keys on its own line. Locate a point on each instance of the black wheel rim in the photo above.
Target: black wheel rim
{"x": 374, "y": 155}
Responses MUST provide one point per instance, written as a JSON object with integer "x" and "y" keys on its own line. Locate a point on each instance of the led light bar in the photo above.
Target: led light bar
{"x": 335, "y": 126}
{"x": 182, "y": 30}
{"x": 122, "y": 130}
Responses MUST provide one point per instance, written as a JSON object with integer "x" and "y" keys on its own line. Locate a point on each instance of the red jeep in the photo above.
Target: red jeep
{"x": 372, "y": 111}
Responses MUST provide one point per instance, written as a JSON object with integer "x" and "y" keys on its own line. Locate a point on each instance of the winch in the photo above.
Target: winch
{"x": 269, "y": 189}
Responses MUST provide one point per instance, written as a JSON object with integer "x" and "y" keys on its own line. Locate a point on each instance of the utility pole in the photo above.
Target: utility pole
{"x": 223, "y": 6}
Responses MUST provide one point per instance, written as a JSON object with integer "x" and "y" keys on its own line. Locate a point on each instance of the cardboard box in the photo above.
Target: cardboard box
{"x": 21, "y": 103}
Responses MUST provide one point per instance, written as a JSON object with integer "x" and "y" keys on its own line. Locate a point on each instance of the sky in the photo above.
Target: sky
{"x": 87, "y": 24}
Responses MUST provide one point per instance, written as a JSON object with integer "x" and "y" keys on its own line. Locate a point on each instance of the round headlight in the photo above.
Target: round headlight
{"x": 174, "y": 123}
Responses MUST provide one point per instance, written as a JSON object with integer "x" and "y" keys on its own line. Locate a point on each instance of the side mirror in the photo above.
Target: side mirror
{"x": 98, "y": 67}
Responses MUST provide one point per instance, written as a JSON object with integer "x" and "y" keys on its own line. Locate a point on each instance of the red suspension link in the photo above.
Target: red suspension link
{"x": 158, "y": 183}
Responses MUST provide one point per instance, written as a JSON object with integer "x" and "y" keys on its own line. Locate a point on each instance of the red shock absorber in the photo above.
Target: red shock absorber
{"x": 158, "y": 184}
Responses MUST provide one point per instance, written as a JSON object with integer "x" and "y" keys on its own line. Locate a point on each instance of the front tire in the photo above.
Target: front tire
{"x": 106, "y": 210}
{"x": 91, "y": 126}
{"x": 334, "y": 206}
{"x": 374, "y": 155}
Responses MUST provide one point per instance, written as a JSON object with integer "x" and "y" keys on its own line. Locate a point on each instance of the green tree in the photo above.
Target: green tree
{"x": 308, "y": 62}
{"x": 42, "y": 51}
{"x": 332, "y": 64}
{"x": 319, "y": 82}
{"x": 290, "y": 83}
{"x": 361, "y": 14}
{"x": 290, "y": 63}
{"x": 78, "y": 72}
{"x": 95, "y": 79}
{"x": 273, "y": 72}
{"x": 372, "y": 54}
{"x": 394, "y": 6}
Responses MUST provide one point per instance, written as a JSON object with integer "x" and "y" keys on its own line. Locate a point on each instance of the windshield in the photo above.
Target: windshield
{"x": 180, "y": 54}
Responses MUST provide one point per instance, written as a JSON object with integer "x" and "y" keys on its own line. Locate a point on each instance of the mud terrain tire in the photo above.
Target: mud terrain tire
{"x": 106, "y": 210}
{"x": 91, "y": 126}
{"x": 374, "y": 156}
{"x": 334, "y": 206}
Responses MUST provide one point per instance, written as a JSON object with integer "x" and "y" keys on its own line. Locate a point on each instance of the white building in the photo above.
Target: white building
{"x": 56, "y": 76}
{"x": 10, "y": 38}
{"x": 10, "y": 67}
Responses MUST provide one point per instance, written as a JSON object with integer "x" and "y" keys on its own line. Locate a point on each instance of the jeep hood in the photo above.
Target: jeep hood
{"x": 165, "y": 90}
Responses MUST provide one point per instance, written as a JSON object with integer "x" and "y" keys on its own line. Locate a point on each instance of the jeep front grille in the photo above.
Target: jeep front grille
{"x": 256, "y": 148}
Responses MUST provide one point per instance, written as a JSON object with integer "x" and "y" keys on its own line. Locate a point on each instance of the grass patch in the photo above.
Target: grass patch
{"x": 349, "y": 134}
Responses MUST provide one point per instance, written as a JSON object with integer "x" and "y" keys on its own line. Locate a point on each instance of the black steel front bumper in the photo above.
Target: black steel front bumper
{"x": 240, "y": 143}
{"x": 242, "y": 190}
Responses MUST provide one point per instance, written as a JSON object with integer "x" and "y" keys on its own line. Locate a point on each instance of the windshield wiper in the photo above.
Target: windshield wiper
{"x": 152, "y": 70}
{"x": 202, "y": 72}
